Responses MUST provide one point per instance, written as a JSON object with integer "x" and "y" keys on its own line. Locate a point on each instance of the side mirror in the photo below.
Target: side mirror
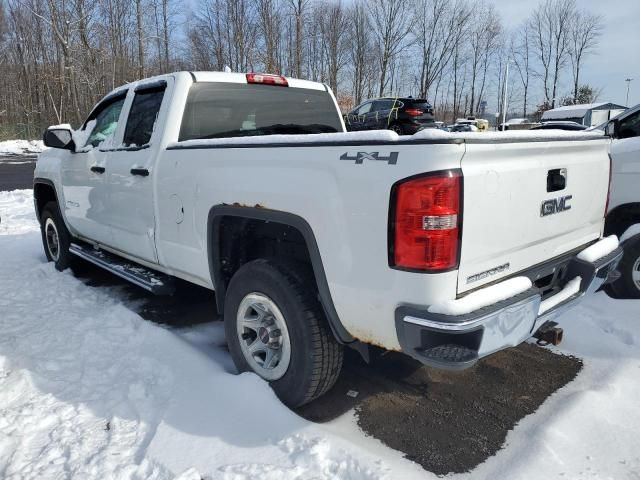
{"x": 58, "y": 138}
{"x": 611, "y": 130}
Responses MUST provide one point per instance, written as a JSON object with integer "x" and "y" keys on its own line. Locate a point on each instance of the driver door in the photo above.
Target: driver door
{"x": 83, "y": 178}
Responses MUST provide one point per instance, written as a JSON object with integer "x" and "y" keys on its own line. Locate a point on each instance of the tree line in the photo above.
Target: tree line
{"x": 58, "y": 57}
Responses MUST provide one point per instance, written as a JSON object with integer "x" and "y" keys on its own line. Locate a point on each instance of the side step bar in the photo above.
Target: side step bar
{"x": 155, "y": 282}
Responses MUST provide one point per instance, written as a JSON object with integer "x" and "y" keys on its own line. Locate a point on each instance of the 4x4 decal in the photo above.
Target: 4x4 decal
{"x": 360, "y": 157}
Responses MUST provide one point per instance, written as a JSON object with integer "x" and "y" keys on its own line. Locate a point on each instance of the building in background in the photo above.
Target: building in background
{"x": 589, "y": 114}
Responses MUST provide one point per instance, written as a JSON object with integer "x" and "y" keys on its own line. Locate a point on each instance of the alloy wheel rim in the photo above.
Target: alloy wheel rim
{"x": 263, "y": 336}
{"x": 52, "y": 238}
{"x": 635, "y": 273}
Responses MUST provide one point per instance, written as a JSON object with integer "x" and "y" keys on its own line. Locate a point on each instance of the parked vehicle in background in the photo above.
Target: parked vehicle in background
{"x": 405, "y": 116}
{"x": 623, "y": 218}
{"x": 481, "y": 124}
{"x": 517, "y": 124}
{"x": 574, "y": 126}
{"x": 463, "y": 127}
{"x": 313, "y": 242}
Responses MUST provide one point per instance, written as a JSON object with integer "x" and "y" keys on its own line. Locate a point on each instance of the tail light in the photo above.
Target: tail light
{"x": 267, "y": 79}
{"x": 413, "y": 112}
{"x": 425, "y": 223}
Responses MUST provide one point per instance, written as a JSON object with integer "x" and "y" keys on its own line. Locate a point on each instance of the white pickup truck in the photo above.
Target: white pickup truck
{"x": 447, "y": 247}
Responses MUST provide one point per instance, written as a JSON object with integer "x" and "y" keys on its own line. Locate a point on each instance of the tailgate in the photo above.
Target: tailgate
{"x": 517, "y": 213}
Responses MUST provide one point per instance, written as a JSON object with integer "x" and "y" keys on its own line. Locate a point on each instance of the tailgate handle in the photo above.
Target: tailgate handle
{"x": 97, "y": 169}
{"x": 556, "y": 179}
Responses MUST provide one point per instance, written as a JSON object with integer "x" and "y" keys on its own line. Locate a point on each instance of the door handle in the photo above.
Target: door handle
{"x": 143, "y": 172}
{"x": 97, "y": 169}
{"x": 556, "y": 179}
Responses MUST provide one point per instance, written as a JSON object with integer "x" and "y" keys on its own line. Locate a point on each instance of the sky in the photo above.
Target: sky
{"x": 618, "y": 55}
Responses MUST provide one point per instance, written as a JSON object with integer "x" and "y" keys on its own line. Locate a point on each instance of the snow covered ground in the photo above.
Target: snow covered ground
{"x": 90, "y": 390}
{"x": 20, "y": 147}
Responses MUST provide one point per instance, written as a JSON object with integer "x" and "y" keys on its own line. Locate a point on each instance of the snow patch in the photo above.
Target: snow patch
{"x": 370, "y": 135}
{"x": 80, "y": 137}
{"x": 482, "y": 298}
{"x": 598, "y": 250}
{"x": 570, "y": 289}
{"x": 21, "y": 147}
{"x": 17, "y": 212}
{"x": 90, "y": 390}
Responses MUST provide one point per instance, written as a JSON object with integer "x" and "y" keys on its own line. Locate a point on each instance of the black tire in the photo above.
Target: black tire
{"x": 316, "y": 357}
{"x": 396, "y": 127}
{"x": 62, "y": 257}
{"x": 626, "y": 287}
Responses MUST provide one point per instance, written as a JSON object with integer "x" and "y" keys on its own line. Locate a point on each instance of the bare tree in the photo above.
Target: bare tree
{"x": 551, "y": 25}
{"x": 299, "y": 8}
{"x": 483, "y": 38}
{"x": 584, "y": 33}
{"x": 140, "y": 36}
{"x": 440, "y": 26}
{"x": 521, "y": 56}
{"x": 334, "y": 29}
{"x": 391, "y": 22}
{"x": 360, "y": 43}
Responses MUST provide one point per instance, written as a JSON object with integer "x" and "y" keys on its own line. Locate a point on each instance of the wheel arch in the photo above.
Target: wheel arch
{"x": 219, "y": 213}
{"x": 44, "y": 191}
{"x": 621, "y": 218}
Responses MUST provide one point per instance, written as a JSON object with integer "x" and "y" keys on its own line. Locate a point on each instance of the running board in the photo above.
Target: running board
{"x": 155, "y": 282}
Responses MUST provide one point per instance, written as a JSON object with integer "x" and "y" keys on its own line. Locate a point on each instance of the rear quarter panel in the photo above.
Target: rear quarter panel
{"x": 345, "y": 203}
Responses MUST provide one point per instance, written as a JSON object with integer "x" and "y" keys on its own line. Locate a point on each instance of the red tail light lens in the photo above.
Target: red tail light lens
{"x": 426, "y": 222}
{"x": 267, "y": 79}
{"x": 413, "y": 112}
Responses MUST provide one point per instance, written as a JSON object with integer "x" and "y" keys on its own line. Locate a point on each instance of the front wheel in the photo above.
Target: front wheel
{"x": 276, "y": 328}
{"x": 628, "y": 285}
{"x": 56, "y": 239}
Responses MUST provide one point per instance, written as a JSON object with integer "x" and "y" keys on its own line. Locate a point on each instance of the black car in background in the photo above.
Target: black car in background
{"x": 405, "y": 116}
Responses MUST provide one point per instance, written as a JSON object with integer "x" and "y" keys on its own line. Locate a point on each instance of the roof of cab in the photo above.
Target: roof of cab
{"x": 233, "y": 77}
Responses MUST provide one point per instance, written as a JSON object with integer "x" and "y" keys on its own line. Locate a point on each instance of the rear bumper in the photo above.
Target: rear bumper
{"x": 458, "y": 341}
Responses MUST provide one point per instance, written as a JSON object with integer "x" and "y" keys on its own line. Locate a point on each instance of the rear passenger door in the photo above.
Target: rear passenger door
{"x": 383, "y": 110}
{"x": 131, "y": 170}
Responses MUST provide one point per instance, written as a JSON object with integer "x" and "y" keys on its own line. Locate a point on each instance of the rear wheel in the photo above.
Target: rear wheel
{"x": 628, "y": 285}
{"x": 56, "y": 239}
{"x": 276, "y": 328}
{"x": 396, "y": 127}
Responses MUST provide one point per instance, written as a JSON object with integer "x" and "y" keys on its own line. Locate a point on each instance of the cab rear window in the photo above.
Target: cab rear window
{"x": 222, "y": 110}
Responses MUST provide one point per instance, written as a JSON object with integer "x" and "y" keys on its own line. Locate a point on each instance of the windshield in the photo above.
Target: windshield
{"x": 219, "y": 110}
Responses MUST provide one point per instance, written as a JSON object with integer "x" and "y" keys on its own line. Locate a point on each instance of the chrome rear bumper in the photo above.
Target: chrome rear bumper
{"x": 457, "y": 342}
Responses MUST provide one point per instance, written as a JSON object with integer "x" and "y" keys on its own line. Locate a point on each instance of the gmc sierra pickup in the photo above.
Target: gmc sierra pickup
{"x": 447, "y": 247}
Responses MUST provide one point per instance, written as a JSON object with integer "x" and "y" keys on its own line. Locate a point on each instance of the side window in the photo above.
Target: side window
{"x": 366, "y": 108}
{"x": 142, "y": 117}
{"x": 630, "y": 126}
{"x": 383, "y": 105}
{"x": 106, "y": 122}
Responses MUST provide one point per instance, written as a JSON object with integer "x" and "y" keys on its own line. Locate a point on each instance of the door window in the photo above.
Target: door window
{"x": 106, "y": 121}
{"x": 380, "y": 105}
{"x": 630, "y": 126}
{"x": 142, "y": 117}
{"x": 366, "y": 108}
